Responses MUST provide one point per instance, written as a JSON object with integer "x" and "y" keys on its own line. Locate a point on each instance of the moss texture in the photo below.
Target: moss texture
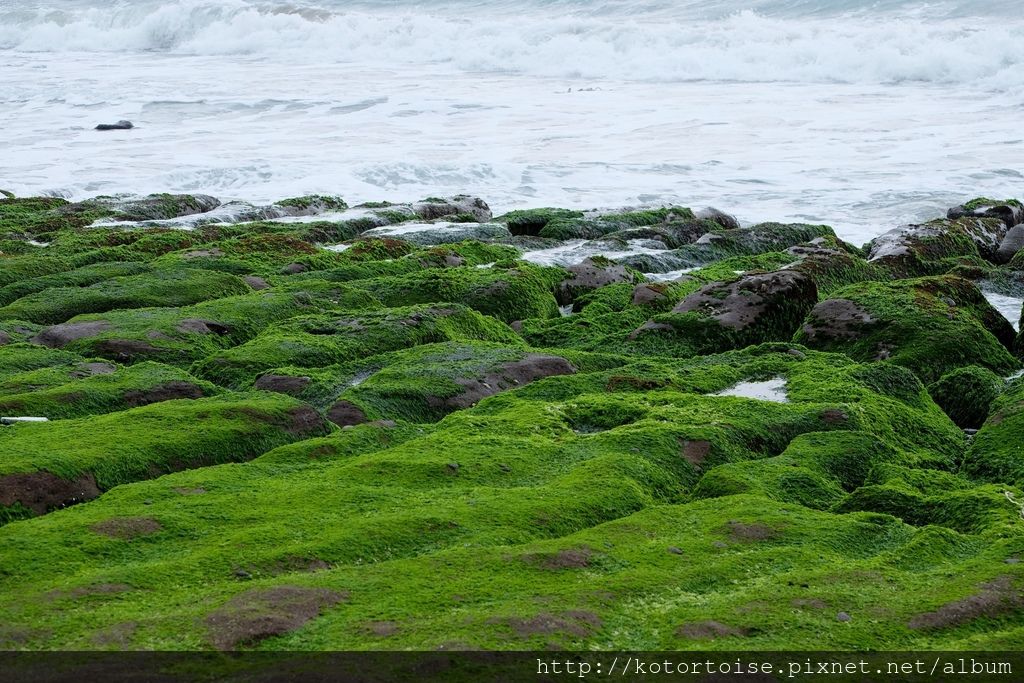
{"x": 255, "y": 442}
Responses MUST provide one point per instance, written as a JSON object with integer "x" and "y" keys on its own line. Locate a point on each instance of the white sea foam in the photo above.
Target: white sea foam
{"x": 864, "y": 115}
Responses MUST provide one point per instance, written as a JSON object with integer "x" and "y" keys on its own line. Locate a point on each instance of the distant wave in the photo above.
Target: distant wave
{"x": 651, "y": 41}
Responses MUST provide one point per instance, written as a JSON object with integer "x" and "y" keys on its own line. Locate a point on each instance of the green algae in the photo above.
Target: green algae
{"x": 554, "y": 484}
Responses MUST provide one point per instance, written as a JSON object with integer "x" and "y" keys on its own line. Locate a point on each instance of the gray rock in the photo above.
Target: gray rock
{"x": 120, "y": 125}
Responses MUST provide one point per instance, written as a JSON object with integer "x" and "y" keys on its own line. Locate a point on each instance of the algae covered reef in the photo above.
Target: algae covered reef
{"x": 309, "y": 426}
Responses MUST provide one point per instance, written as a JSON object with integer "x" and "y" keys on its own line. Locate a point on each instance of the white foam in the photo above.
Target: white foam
{"x": 773, "y": 390}
{"x": 574, "y": 251}
{"x": 1009, "y": 306}
{"x": 555, "y": 103}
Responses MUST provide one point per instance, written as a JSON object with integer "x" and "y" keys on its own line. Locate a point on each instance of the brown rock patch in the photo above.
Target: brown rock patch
{"x": 262, "y": 613}
{"x": 255, "y": 282}
{"x": 199, "y": 326}
{"x": 167, "y": 391}
{"x": 573, "y": 558}
{"x": 837, "y": 319}
{"x": 695, "y": 452}
{"x": 996, "y": 598}
{"x": 506, "y": 376}
{"x": 127, "y": 528}
{"x": 118, "y": 636}
{"x": 574, "y": 622}
{"x": 283, "y": 384}
{"x": 381, "y": 629}
{"x": 345, "y": 413}
{"x": 61, "y": 335}
{"x": 41, "y": 492}
{"x": 125, "y": 349}
{"x": 755, "y": 531}
{"x": 708, "y": 630}
{"x": 92, "y": 369}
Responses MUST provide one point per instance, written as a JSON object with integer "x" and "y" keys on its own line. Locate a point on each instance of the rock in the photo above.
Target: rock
{"x": 593, "y": 273}
{"x": 460, "y": 205}
{"x": 781, "y": 299}
{"x": 4, "y": 338}
{"x": 152, "y": 207}
{"x": 120, "y": 125}
{"x": 966, "y": 395}
{"x": 648, "y": 293}
{"x": 1010, "y": 211}
{"x": 1011, "y": 245}
{"x": 723, "y": 219}
{"x": 843, "y": 616}
{"x": 930, "y": 325}
{"x": 674, "y": 550}
{"x": 920, "y": 249}
{"x": 255, "y": 282}
{"x": 345, "y": 413}
{"x": 283, "y": 384}
{"x": 60, "y": 335}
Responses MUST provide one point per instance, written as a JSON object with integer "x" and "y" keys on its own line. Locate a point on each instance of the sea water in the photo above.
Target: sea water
{"x": 862, "y": 115}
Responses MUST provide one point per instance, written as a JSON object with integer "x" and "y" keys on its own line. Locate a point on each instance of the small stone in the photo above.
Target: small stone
{"x": 720, "y": 544}
{"x": 242, "y": 574}
{"x": 504, "y": 468}
{"x": 797, "y": 353}
{"x": 120, "y": 125}
{"x": 1013, "y": 560}
{"x": 843, "y": 616}
{"x": 674, "y": 550}
{"x": 147, "y": 502}
{"x": 453, "y": 467}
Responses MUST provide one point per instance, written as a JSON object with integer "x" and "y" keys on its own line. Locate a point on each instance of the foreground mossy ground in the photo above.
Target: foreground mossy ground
{"x": 256, "y": 442}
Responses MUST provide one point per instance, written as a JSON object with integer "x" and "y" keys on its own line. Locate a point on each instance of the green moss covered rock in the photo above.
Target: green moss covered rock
{"x": 930, "y": 325}
{"x": 966, "y": 394}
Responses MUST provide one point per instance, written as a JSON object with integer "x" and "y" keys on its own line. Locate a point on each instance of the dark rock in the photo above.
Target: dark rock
{"x": 255, "y": 282}
{"x": 836, "y": 319}
{"x": 168, "y": 391}
{"x": 1011, "y": 244}
{"x": 648, "y": 293}
{"x": 919, "y": 249}
{"x": 723, "y": 219}
{"x": 506, "y": 376}
{"x": 843, "y": 616}
{"x": 41, "y": 492}
{"x": 458, "y": 205}
{"x": 4, "y": 338}
{"x": 294, "y": 268}
{"x": 197, "y": 326}
{"x": 593, "y": 273}
{"x": 773, "y": 304}
{"x": 283, "y": 384}
{"x": 65, "y": 333}
{"x": 120, "y": 125}
{"x": 345, "y": 413}
{"x": 1011, "y": 213}
{"x": 674, "y": 550}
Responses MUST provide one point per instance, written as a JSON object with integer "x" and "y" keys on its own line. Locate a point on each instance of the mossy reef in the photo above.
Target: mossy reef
{"x": 316, "y": 426}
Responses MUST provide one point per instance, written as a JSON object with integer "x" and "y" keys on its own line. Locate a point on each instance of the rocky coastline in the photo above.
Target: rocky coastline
{"x": 421, "y": 426}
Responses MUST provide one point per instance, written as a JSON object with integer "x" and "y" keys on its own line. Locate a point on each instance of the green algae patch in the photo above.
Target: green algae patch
{"x": 324, "y": 339}
{"x": 930, "y": 325}
{"x": 38, "y": 461}
{"x": 507, "y": 293}
{"x": 997, "y": 453}
{"x": 183, "y": 335}
{"x": 966, "y": 394}
{"x": 79, "y": 277}
{"x": 92, "y": 388}
{"x": 156, "y": 288}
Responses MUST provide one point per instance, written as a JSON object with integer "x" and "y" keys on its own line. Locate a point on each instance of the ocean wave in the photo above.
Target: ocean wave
{"x": 549, "y": 41}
